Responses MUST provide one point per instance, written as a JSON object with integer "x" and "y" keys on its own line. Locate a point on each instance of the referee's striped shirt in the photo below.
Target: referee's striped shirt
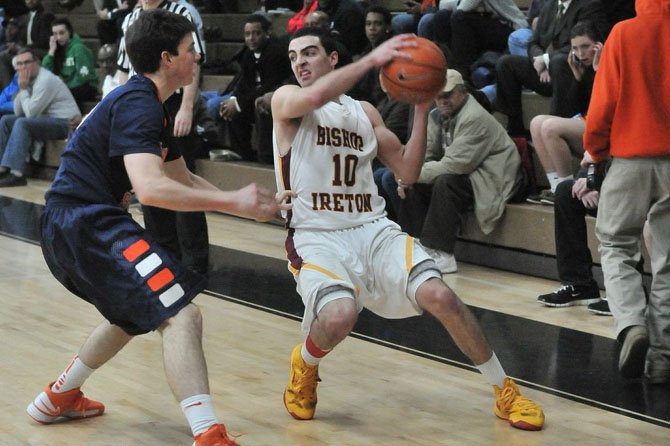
{"x": 124, "y": 62}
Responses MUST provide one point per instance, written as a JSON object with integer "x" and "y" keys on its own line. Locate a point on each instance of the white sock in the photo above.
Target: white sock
{"x": 552, "y": 177}
{"x": 73, "y": 377}
{"x": 493, "y": 371}
{"x": 199, "y": 412}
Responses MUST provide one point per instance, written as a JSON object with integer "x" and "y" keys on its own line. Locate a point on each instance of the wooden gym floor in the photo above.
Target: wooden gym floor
{"x": 392, "y": 383}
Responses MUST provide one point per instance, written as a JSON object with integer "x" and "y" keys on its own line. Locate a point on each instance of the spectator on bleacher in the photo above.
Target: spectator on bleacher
{"x": 377, "y": 30}
{"x": 73, "y": 61}
{"x": 43, "y": 109}
{"x": 557, "y": 139}
{"x": 573, "y": 202}
{"x": 628, "y": 121}
{"x": 107, "y": 61}
{"x": 33, "y": 29}
{"x": 348, "y": 19}
{"x": 298, "y": 20}
{"x": 184, "y": 233}
{"x": 110, "y": 18}
{"x": 471, "y": 164}
{"x": 546, "y": 68}
{"x": 264, "y": 67}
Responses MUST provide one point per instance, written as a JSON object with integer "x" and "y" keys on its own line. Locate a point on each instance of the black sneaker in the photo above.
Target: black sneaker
{"x": 601, "y": 308}
{"x": 544, "y": 197}
{"x": 12, "y": 180}
{"x": 568, "y": 295}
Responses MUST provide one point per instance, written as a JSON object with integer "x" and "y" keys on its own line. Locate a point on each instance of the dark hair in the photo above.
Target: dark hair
{"x": 259, "y": 18}
{"x": 63, "y": 21}
{"x": 59, "y": 55}
{"x": 586, "y": 28}
{"x": 152, "y": 33}
{"x": 378, "y": 9}
{"x": 27, "y": 49}
{"x": 325, "y": 37}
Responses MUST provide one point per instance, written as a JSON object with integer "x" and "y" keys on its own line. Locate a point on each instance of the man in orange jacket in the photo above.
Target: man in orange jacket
{"x": 628, "y": 120}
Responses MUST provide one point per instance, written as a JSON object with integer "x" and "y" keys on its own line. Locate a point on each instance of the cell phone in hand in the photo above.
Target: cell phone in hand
{"x": 575, "y": 60}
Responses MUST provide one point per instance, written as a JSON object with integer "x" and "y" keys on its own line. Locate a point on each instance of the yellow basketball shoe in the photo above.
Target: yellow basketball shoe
{"x": 50, "y": 406}
{"x": 520, "y": 411}
{"x": 300, "y": 393}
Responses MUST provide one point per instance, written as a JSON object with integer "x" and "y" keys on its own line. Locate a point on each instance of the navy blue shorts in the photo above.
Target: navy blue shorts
{"x": 102, "y": 255}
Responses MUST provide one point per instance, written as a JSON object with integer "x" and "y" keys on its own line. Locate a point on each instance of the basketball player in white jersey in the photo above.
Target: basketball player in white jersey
{"x": 344, "y": 252}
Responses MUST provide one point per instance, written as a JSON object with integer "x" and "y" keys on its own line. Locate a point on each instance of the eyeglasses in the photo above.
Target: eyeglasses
{"x": 21, "y": 63}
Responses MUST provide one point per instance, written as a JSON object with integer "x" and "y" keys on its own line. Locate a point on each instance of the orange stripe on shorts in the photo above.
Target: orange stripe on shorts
{"x": 135, "y": 250}
{"x": 160, "y": 279}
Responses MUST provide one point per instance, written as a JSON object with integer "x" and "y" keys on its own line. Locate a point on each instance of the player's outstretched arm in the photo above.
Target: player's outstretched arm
{"x": 154, "y": 187}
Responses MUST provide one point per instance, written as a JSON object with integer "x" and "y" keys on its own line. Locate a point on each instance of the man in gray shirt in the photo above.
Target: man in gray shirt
{"x": 43, "y": 110}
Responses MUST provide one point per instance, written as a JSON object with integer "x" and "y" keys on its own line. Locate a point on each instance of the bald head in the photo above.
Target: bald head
{"x": 318, "y": 19}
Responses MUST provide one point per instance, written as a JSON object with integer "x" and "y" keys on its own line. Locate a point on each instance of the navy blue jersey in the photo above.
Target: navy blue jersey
{"x": 130, "y": 119}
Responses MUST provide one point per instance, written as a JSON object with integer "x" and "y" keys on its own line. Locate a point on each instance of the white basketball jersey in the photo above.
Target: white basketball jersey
{"x": 329, "y": 167}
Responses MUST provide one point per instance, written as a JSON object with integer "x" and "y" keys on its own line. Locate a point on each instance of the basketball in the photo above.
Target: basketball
{"x": 419, "y": 79}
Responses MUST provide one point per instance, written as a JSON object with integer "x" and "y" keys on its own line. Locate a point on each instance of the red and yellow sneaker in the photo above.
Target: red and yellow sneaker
{"x": 300, "y": 393}
{"x": 216, "y": 435}
{"x": 49, "y": 406}
{"x": 520, "y": 411}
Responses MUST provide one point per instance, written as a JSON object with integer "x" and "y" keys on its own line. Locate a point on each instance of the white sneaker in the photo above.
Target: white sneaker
{"x": 445, "y": 262}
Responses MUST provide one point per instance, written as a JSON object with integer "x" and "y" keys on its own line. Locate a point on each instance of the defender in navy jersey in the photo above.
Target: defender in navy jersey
{"x": 96, "y": 249}
{"x": 344, "y": 253}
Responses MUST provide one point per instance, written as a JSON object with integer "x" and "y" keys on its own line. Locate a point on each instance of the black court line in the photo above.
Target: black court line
{"x": 571, "y": 364}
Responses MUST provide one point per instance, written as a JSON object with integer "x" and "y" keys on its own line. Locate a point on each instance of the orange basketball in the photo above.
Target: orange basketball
{"x": 419, "y": 79}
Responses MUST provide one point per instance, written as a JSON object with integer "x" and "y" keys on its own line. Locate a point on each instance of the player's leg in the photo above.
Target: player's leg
{"x": 63, "y": 398}
{"x": 335, "y": 314}
{"x": 186, "y": 372}
{"x": 327, "y": 291}
{"x": 438, "y": 299}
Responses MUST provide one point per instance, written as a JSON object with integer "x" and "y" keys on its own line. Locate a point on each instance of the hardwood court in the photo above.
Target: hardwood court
{"x": 372, "y": 393}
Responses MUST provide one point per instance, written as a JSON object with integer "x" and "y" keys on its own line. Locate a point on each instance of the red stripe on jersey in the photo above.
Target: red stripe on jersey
{"x": 135, "y": 250}
{"x": 160, "y": 279}
{"x": 294, "y": 259}
{"x": 285, "y": 171}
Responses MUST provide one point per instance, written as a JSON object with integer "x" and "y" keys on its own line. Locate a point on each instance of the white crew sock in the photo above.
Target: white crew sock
{"x": 199, "y": 412}
{"x": 73, "y": 377}
{"x": 493, "y": 371}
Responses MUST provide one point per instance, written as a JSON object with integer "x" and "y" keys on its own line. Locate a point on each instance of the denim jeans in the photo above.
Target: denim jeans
{"x": 17, "y": 134}
{"x": 518, "y": 41}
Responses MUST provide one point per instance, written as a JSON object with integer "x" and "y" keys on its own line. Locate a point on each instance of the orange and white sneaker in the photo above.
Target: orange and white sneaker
{"x": 520, "y": 411}
{"x": 216, "y": 435}
{"x": 300, "y": 393}
{"x": 50, "y": 406}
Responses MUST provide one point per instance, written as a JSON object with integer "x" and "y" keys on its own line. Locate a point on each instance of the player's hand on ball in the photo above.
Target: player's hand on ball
{"x": 392, "y": 49}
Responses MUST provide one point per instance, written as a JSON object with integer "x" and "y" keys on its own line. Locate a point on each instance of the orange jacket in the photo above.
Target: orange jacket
{"x": 629, "y": 113}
